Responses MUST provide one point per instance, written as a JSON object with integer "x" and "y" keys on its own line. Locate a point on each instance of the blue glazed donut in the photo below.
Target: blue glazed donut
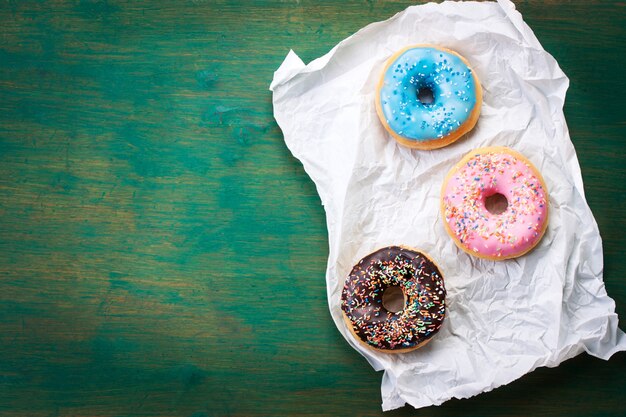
{"x": 428, "y": 97}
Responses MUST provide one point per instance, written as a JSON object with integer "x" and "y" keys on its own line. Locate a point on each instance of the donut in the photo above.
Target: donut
{"x": 428, "y": 96}
{"x": 486, "y": 175}
{"x": 416, "y": 278}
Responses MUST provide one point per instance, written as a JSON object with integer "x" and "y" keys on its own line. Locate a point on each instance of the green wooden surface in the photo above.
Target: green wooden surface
{"x": 161, "y": 252}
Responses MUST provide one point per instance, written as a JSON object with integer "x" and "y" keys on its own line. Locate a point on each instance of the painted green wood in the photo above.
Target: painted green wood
{"x": 161, "y": 252}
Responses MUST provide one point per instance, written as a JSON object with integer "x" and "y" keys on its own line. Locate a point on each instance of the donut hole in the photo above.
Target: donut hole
{"x": 496, "y": 203}
{"x": 425, "y": 95}
{"x": 394, "y": 299}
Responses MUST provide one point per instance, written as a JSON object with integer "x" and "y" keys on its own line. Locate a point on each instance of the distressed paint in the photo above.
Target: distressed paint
{"x": 161, "y": 253}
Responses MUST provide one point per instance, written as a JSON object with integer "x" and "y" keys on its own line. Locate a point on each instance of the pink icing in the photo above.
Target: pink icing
{"x": 505, "y": 235}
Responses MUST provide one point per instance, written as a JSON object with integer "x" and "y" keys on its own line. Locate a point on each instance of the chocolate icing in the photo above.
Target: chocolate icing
{"x": 424, "y": 291}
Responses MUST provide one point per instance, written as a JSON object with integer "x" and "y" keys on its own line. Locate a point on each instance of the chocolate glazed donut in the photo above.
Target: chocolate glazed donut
{"x": 424, "y": 299}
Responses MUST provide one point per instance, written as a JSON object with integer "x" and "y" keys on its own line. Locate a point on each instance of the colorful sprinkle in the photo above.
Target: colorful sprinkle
{"x": 423, "y": 287}
{"x": 487, "y": 172}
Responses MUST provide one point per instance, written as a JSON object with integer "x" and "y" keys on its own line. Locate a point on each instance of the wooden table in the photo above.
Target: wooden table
{"x": 163, "y": 254}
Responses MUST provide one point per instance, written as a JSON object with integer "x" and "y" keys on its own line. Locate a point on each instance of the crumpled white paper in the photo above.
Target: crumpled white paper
{"x": 504, "y": 318}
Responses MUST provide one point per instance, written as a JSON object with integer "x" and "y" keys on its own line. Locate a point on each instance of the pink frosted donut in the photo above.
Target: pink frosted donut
{"x": 495, "y": 204}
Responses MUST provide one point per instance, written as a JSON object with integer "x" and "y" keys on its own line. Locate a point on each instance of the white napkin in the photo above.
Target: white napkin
{"x": 505, "y": 318}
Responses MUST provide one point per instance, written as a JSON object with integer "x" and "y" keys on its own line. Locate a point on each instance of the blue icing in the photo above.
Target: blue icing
{"x": 452, "y": 86}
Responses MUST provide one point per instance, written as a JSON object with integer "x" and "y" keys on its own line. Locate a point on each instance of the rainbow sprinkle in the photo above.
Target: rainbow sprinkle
{"x": 423, "y": 287}
{"x": 483, "y": 174}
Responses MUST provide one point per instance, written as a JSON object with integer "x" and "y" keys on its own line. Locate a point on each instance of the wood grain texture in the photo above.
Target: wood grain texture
{"x": 161, "y": 252}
